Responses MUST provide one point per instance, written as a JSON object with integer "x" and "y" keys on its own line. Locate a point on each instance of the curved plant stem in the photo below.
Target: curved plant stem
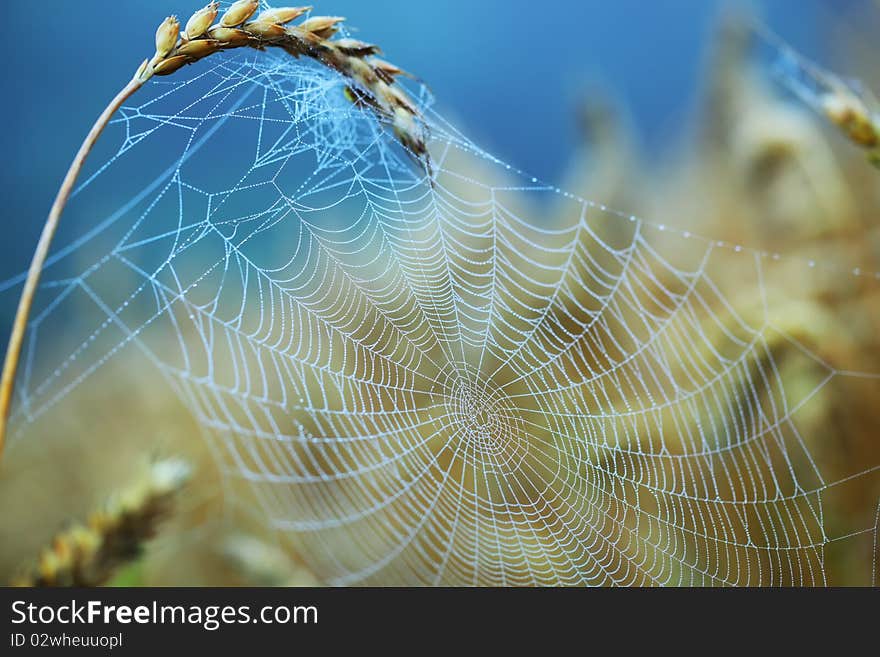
{"x": 19, "y": 326}
{"x": 373, "y": 82}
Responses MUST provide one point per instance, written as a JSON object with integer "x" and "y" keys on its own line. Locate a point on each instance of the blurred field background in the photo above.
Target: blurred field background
{"x": 657, "y": 109}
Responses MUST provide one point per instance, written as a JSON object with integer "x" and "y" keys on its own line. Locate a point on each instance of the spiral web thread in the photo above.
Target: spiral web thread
{"x": 437, "y": 382}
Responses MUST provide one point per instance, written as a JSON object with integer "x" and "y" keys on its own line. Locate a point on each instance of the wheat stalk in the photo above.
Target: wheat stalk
{"x": 372, "y": 87}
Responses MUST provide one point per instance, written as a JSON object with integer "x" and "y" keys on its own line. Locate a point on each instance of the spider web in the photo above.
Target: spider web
{"x": 475, "y": 379}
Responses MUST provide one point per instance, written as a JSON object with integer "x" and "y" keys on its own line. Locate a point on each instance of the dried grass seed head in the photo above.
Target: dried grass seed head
{"x": 851, "y": 115}
{"x": 375, "y": 86}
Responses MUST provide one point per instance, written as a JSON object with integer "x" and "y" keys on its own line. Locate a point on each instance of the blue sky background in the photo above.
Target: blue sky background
{"x": 507, "y": 72}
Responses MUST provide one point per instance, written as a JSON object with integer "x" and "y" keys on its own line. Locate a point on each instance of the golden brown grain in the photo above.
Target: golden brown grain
{"x": 200, "y": 21}
{"x": 239, "y": 12}
{"x": 850, "y": 107}
{"x": 311, "y": 38}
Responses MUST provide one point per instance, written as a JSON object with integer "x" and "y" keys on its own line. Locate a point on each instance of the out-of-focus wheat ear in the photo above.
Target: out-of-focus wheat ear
{"x": 855, "y": 119}
{"x": 91, "y": 553}
{"x": 852, "y": 116}
{"x": 846, "y": 104}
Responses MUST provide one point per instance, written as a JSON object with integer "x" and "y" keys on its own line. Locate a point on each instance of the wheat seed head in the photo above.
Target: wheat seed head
{"x": 373, "y": 81}
{"x": 853, "y": 117}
